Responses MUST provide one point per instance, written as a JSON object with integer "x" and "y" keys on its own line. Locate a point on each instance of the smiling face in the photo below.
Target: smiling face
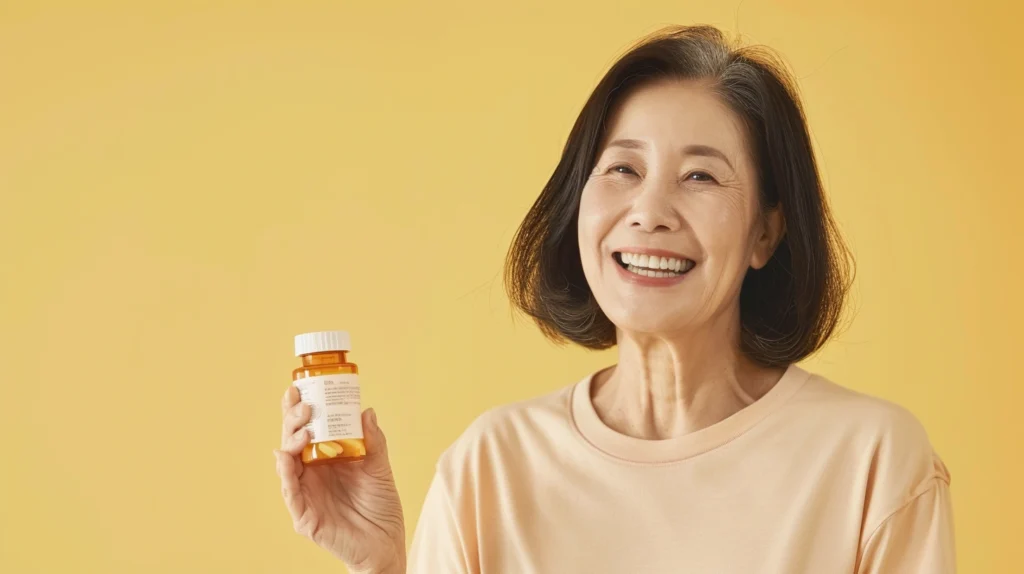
{"x": 669, "y": 220}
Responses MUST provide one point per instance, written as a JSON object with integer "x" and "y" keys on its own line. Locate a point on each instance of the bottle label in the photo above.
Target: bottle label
{"x": 335, "y": 404}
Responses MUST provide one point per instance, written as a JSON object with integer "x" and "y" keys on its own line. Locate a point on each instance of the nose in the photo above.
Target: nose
{"x": 652, "y": 210}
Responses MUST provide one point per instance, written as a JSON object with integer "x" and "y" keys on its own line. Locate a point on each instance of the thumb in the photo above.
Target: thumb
{"x": 376, "y": 442}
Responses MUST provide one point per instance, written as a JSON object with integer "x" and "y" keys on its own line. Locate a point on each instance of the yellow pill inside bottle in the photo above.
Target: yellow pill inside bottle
{"x": 330, "y": 449}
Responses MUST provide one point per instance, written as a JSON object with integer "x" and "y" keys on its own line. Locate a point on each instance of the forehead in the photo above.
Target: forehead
{"x": 677, "y": 113}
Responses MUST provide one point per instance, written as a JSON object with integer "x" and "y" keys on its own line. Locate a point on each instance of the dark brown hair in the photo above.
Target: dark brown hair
{"x": 790, "y": 307}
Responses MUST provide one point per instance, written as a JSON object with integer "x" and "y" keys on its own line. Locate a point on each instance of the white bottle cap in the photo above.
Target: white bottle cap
{"x": 321, "y": 342}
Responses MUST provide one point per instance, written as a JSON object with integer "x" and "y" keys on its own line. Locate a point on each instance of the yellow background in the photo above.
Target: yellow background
{"x": 186, "y": 185}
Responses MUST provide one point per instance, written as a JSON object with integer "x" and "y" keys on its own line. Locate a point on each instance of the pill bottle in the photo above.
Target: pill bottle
{"x": 329, "y": 384}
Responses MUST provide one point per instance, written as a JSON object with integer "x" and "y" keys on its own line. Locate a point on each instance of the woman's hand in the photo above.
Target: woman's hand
{"x": 351, "y": 509}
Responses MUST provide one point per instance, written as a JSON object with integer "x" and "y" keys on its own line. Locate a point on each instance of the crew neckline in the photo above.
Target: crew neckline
{"x": 675, "y": 449}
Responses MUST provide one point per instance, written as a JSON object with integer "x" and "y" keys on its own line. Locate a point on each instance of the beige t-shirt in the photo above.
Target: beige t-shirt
{"x": 812, "y": 478}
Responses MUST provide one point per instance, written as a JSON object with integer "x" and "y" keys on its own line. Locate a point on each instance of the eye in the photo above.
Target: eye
{"x": 700, "y": 176}
{"x": 623, "y": 169}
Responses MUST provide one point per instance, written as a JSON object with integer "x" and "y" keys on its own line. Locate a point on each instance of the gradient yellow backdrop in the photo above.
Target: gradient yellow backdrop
{"x": 186, "y": 185}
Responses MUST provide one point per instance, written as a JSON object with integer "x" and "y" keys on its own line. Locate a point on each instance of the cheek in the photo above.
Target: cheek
{"x": 724, "y": 227}
{"x": 585, "y": 229}
{"x": 731, "y": 210}
{"x": 596, "y": 219}
{"x": 593, "y": 202}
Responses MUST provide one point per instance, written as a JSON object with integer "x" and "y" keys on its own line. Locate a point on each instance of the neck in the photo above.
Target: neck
{"x": 667, "y": 386}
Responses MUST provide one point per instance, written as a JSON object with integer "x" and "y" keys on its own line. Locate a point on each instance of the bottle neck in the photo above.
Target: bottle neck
{"x": 324, "y": 358}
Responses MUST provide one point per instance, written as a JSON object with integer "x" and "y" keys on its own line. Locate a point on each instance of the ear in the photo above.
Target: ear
{"x": 773, "y": 228}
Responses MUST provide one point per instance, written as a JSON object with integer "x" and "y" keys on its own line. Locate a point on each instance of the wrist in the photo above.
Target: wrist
{"x": 395, "y": 566}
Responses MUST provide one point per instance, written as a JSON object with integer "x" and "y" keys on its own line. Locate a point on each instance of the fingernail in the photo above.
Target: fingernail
{"x": 373, "y": 416}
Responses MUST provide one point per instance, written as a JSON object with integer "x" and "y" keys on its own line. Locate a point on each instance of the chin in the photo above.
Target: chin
{"x": 650, "y": 322}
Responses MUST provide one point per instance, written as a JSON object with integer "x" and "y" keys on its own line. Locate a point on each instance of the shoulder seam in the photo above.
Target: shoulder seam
{"x": 928, "y": 485}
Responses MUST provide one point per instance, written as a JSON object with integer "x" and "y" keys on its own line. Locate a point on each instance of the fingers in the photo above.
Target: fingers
{"x": 294, "y": 419}
{"x": 290, "y": 399}
{"x": 296, "y": 415}
{"x": 295, "y": 442}
{"x": 294, "y": 438}
{"x": 376, "y": 442}
{"x": 289, "y": 469}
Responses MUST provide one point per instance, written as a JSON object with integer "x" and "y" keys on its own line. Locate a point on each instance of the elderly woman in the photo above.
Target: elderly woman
{"x": 686, "y": 225}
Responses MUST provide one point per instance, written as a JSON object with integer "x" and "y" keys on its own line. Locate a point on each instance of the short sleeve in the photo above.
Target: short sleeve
{"x": 438, "y": 544}
{"x": 916, "y": 539}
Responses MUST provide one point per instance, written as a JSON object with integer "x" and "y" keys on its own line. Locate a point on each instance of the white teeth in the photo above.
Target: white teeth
{"x": 654, "y": 262}
{"x": 651, "y": 272}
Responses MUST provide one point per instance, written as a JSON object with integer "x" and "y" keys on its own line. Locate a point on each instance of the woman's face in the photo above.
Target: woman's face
{"x": 674, "y": 189}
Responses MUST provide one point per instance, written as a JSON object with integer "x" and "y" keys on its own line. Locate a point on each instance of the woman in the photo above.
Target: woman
{"x": 686, "y": 225}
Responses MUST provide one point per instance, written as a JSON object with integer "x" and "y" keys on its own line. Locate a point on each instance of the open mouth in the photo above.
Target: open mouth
{"x": 653, "y": 265}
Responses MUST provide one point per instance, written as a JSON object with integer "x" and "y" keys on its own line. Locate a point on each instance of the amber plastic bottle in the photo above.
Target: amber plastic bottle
{"x": 330, "y": 385}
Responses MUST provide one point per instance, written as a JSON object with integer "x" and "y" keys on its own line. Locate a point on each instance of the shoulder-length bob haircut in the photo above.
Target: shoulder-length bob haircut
{"x": 790, "y": 307}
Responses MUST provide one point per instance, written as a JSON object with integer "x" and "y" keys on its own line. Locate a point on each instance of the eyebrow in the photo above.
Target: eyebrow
{"x": 694, "y": 149}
